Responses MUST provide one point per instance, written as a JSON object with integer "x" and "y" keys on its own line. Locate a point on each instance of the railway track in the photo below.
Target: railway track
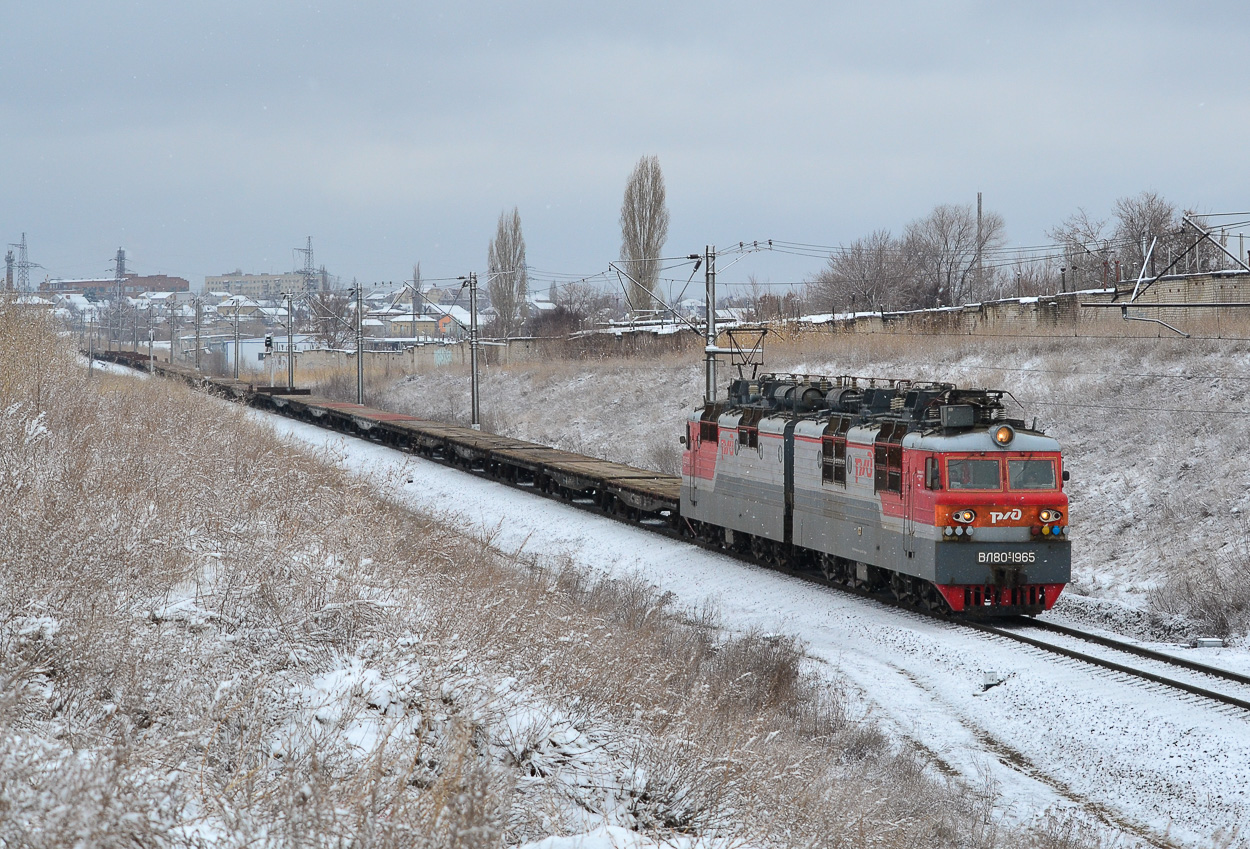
{"x": 1197, "y": 685}
{"x": 653, "y": 490}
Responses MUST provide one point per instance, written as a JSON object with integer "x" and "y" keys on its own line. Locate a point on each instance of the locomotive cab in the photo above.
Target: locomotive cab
{"x": 999, "y": 520}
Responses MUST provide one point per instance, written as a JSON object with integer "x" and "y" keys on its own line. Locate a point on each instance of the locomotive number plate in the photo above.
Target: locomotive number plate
{"x": 1006, "y": 556}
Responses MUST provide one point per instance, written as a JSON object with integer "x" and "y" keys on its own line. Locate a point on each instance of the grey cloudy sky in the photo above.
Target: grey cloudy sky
{"x": 205, "y": 137}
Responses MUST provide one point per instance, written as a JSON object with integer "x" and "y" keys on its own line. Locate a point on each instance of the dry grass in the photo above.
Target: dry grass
{"x": 207, "y": 637}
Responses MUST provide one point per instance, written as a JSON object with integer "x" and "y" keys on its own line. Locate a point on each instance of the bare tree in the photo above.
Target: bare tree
{"x": 943, "y": 250}
{"x": 868, "y": 274}
{"x": 1027, "y": 276}
{"x": 584, "y": 299}
{"x": 330, "y": 317}
{"x": 1138, "y": 220}
{"x": 644, "y": 230}
{"x": 1148, "y": 216}
{"x": 507, "y": 278}
{"x": 1088, "y": 252}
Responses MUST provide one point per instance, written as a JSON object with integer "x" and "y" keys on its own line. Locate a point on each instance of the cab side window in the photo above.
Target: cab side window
{"x": 888, "y": 458}
{"x": 833, "y": 450}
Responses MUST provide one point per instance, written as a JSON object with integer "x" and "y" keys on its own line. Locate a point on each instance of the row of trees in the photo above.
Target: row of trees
{"x": 644, "y": 230}
{"x": 945, "y": 258}
{"x": 938, "y": 259}
{"x": 956, "y": 254}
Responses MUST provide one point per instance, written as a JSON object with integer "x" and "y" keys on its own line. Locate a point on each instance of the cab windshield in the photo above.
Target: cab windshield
{"x": 973, "y": 474}
{"x": 1031, "y": 474}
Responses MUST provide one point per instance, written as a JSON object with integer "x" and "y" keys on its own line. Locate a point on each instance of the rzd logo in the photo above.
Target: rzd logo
{"x": 1012, "y": 515}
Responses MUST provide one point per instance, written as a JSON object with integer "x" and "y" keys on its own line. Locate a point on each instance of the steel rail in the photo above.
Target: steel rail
{"x": 1140, "y": 651}
{"x": 1136, "y": 672}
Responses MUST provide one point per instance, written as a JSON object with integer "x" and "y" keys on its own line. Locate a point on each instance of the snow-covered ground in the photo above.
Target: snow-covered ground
{"x": 1156, "y": 767}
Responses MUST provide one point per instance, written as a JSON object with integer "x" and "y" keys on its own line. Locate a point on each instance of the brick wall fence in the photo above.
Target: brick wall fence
{"x": 1067, "y": 314}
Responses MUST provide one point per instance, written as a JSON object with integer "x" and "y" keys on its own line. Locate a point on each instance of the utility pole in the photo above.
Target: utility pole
{"x": 119, "y": 273}
{"x": 199, "y": 303}
{"x": 980, "y": 265}
{"x": 709, "y": 279}
{"x": 360, "y": 346}
{"x": 236, "y": 338}
{"x": 23, "y": 266}
{"x": 290, "y": 340}
{"x": 308, "y": 272}
{"x": 473, "y": 387}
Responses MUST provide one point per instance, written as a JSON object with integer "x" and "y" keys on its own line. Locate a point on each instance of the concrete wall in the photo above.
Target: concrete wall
{"x": 1069, "y": 314}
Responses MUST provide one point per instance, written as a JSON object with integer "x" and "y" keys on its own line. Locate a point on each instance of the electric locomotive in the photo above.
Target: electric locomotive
{"x": 923, "y": 490}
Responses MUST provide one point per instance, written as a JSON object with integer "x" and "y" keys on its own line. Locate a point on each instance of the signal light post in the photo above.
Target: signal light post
{"x": 290, "y": 340}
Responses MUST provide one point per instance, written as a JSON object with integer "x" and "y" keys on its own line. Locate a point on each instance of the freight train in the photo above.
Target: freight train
{"x": 923, "y": 490}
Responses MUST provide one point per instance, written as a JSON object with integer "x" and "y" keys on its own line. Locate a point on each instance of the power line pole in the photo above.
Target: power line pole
{"x": 709, "y": 279}
{"x": 980, "y": 265}
{"x": 119, "y": 273}
{"x": 360, "y": 346}
{"x": 199, "y": 303}
{"x": 23, "y": 266}
{"x": 473, "y": 348}
{"x": 236, "y": 338}
{"x": 308, "y": 272}
{"x": 290, "y": 340}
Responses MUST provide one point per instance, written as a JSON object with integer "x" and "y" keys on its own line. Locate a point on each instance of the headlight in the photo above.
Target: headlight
{"x": 964, "y": 516}
{"x": 1050, "y": 515}
{"x": 1004, "y": 434}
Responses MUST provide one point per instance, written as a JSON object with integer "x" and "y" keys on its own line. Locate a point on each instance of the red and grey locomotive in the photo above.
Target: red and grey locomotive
{"x": 924, "y": 490}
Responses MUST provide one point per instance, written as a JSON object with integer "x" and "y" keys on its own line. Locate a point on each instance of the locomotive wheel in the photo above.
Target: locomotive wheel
{"x": 759, "y": 549}
{"x": 878, "y": 579}
{"x": 903, "y": 587}
{"x": 932, "y": 600}
{"x": 828, "y": 567}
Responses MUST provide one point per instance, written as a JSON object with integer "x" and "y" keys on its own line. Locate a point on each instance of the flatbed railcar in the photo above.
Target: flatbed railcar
{"x": 637, "y": 495}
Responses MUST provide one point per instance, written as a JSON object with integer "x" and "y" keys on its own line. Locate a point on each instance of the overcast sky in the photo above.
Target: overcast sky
{"x": 209, "y": 136}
